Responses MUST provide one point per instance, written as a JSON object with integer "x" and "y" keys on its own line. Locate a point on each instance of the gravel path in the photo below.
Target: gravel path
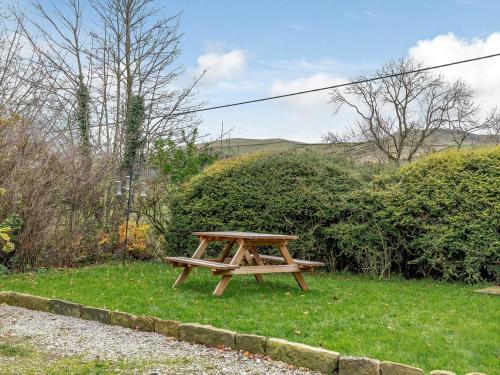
{"x": 66, "y": 336}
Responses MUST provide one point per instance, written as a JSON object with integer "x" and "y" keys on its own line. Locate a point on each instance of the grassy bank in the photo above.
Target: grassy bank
{"x": 423, "y": 323}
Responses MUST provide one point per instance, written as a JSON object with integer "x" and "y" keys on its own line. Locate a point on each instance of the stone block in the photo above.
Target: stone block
{"x": 139, "y": 323}
{"x": 392, "y": 368}
{"x": 32, "y": 302}
{"x": 168, "y": 328}
{"x": 252, "y": 343}
{"x": 98, "y": 315}
{"x": 207, "y": 335}
{"x": 358, "y": 366}
{"x": 66, "y": 308}
{"x": 441, "y": 372}
{"x": 301, "y": 355}
{"x": 7, "y": 297}
{"x": 143, "y": 323}
{"x": 122, "y": 319}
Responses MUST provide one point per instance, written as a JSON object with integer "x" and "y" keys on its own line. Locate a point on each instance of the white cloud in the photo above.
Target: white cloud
{"x": 307, "y": 117}
{"x": 310, "y": 101}
{"x": 483, "y": 76}
{"x": 221, "y": 67}
{"x": 302, "y": 65}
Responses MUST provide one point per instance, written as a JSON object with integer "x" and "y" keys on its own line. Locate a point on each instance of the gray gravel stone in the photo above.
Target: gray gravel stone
{"x": 92, "y": 340}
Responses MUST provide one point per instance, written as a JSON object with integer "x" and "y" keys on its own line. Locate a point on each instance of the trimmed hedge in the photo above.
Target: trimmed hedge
{"x": 439, "y": 216}
{"x": 290, "y": 193}
{"x": 448, "y": 208}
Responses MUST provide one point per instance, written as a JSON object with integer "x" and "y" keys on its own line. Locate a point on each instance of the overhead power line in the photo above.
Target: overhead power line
{"x": 334, "y": 86}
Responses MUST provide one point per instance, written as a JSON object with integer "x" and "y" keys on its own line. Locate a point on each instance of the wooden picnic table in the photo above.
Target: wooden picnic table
{"x": 246, "y": 259}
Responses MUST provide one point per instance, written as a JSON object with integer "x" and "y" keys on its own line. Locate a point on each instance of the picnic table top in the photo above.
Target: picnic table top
{"x": 246, "y": 235}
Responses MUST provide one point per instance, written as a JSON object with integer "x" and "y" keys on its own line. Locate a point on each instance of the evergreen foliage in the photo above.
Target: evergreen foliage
{"x": 83, "y": 119}
{"x": 294, "y": 193}
{"x": 438, "y": 216}
{"x": 133, "y": 121}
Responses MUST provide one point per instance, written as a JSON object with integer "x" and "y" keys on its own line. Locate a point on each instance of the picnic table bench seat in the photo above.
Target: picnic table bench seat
{"x": 300, "y": 262}
{"x": 306, "y": 264}
{"x": 180, "y": 261}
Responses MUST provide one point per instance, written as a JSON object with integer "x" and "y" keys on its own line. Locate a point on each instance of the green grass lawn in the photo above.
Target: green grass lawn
{"x": 423, "y": 323}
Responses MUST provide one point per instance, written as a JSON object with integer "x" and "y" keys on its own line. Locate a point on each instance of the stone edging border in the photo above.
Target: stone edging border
{"x": 299, "y": 355}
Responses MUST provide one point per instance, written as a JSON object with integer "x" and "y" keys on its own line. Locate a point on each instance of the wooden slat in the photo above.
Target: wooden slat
{"x": 200, "y": 263}
{"x": 246, "y": 235}
{"x": 256, "y": 270}
{"x": 307, "y": 263}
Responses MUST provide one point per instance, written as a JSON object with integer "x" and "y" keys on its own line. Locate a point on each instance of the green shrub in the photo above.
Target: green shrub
{"x": 448, "y": 208}
{"x": 365, "y": 239}
{"x": 289, "y": 193}
{"x": 439, "y": 216}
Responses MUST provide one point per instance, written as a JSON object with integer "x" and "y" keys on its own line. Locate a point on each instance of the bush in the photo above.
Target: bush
{"x": 438, "y": 216}
{"x": 139, "y": 241}
{"x": 289, "y": 193}
{"x": 9, "y": 229}
{"x": 448, "y": 208}
{"x": 365, "y": 239}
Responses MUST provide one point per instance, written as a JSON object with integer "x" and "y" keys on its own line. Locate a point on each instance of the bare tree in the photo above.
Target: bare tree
{"x": 464, "y": 120}
{"x": 55, "y": 35}
{"x": 347, "y": 143}
{"x": 135, "y": 50}
{"x": 66, "y": 87}
{"x": 400, "y": 112}
{"x": 494, "y": 127}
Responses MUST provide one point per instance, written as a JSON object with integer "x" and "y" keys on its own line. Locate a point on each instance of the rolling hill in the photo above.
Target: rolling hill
{"x": 440, "y": 140}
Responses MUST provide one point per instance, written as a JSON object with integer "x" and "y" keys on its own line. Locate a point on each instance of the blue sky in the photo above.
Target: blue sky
{"x": 290, "y": 45}
{"x": 350, "y": 31}
{"x": 255, "y": 48}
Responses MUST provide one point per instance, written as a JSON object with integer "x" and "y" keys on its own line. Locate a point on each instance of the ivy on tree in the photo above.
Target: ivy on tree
{"x": 133, "y": 124}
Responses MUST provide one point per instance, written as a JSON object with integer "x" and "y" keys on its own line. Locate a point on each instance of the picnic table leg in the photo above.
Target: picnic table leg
{"x": 289, "y": 260}
{"x": 226, "y": 251}
{"x": 256, "y": 258}
{"x": 187, "y": 270}
{"x": 238, "y": 256}
{"x": 182, "y": 277}
{"x": 221, "y": 286}
{"x": 251, "y": 261}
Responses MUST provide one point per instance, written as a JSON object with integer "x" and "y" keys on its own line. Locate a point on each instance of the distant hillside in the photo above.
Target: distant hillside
{"x": 440, "y": 140}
